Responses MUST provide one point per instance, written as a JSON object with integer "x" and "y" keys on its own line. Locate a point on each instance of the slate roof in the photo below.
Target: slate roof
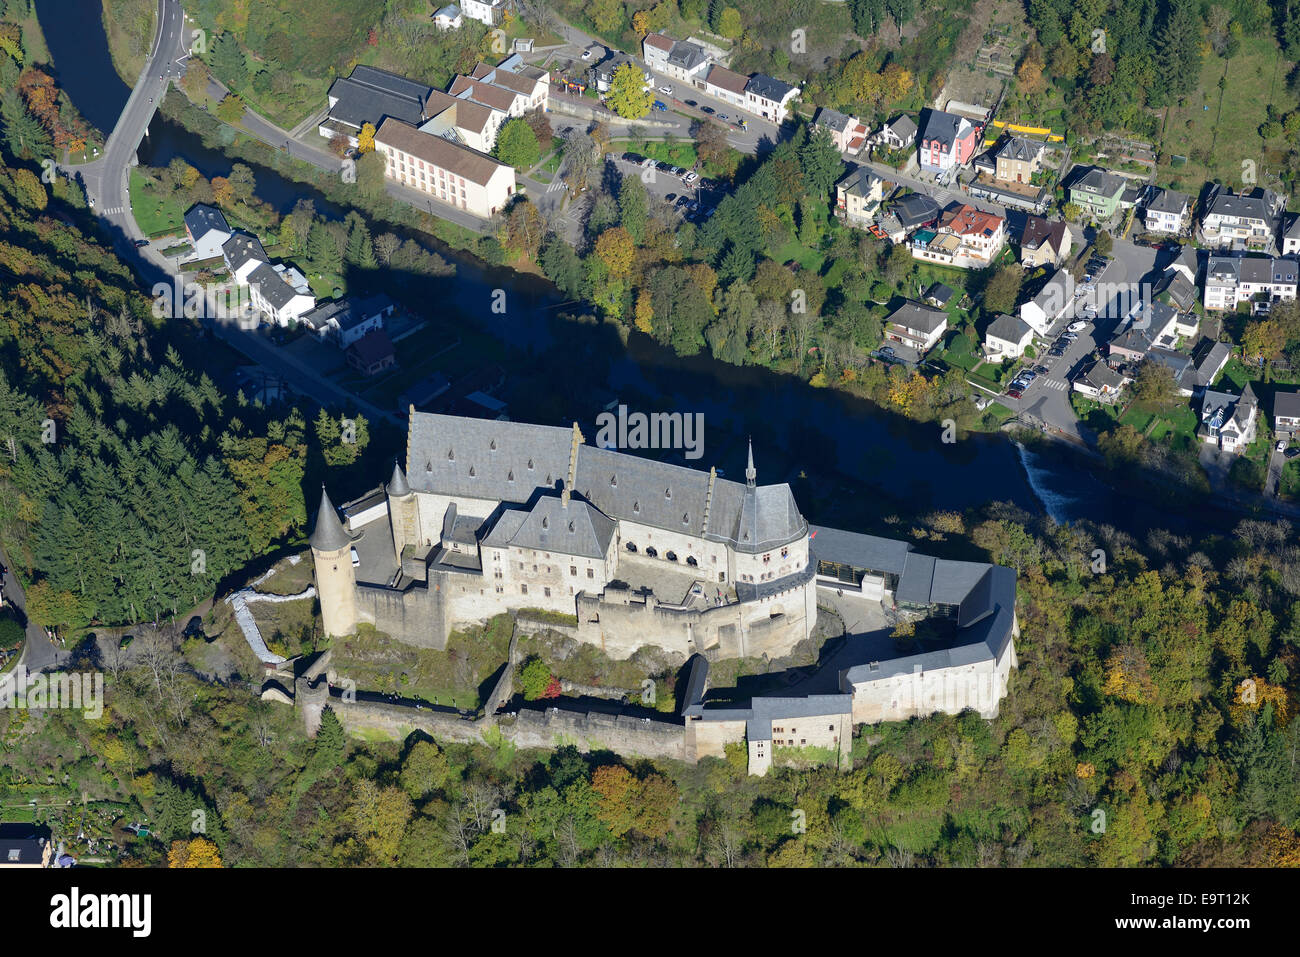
{"x": 1101, "y": 374}
{"x": 686, "y": 55}
{"x": 769, "y": 87}
{"x": 489, "y": 94}
{"x": 22, "y": 844}
{"x": 986, "y": 596}
{"x": 914, "y": 209}
{"x": 1098, "y": 182}
{"x": 858, "y": 182}
{"x": 1292, "y": 228}
{"x": 328, "y": 534}
{"x": 370, "y": 95}
{"x": 203, "y": 219}
{"x": 241, "y": 248}
{"x": 550, "y": 525}
{"x": 1169, "y": 201}
{"x": 1008, "y": 328}
{"x": 917, "y": 315}
{"x": 1259, "y": 203}
{"x": 946, "y": 128}
{"x": 940, "y": 293}
{"x": 1286, "y": 405}
{"x": 763, "y": 711}
{"x": 374, "y": 346}
{"x": 832, "y": 119}
{"x": 1177, "y": 288}
{"x": 1132, "y": 340}
{"x": 857, "y": 550}
{"x": 510, "y": 460}
{"x": 272, "y": 286}
{"x": 1019, "y": 148}
{"x": 904, "y": 127}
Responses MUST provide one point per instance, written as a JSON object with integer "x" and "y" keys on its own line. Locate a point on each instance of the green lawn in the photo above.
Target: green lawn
{"x": 1227, "y": 132}
{"x": 155, "y": 213}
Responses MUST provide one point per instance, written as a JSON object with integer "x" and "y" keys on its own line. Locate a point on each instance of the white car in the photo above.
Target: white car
{"x": 586, "y": 54}
{"x": 690, "y": 177}
{"x": 1281, "y": 446}
{"x": 1075, "y": 326}
{"x": 666, "y": 90}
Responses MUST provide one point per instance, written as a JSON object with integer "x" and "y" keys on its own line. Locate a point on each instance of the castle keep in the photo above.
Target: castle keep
{"x": 492, "y": 516}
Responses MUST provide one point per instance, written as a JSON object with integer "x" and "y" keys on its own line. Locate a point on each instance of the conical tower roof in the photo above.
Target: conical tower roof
{"x": 397, "y": 484}
{"x": 329, "y": 534}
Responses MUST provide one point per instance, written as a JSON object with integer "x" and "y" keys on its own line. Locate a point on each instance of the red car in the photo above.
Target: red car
{"x": 1015, "y": 393}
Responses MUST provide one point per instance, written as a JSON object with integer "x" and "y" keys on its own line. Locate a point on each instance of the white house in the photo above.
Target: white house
{"x": 1050, "y": 303}
{"x": 484, "y": 11}
{"x": 1100, "y": 381}
{"x": 462, "y": 120}
{"x": 448, "y": 172}
{"x": 513, "y": 74}
{"x": 347, "y": 321}
{"x": 1291, "y": 234}
{"x": 681, "y": 60}
{"x": 726, "y": 85}
{"x": 769, "y": 97}
{"x": 899, "y": 133}
{"x": 1241, "y": 220}
{"x": 243, "y": 253}
{"x": 966, "y": 238}
{"x": 1228, "y": 420}
{"x": 1230, "y": 280}
{"x": 280, "y": 292}
{"x": 1168, "y": 212}
{"x": 1007, "y": 338}
{"x": 448, "y": 18}
{"x": 206, "y": 230}
{"x": 917, "y": 325}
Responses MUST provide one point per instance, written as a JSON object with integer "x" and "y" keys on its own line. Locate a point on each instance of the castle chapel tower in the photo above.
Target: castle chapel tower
{"x": 336, "y": 580}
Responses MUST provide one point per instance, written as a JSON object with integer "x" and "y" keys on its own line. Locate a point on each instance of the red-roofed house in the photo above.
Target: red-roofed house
{"x": 966, "y": 237}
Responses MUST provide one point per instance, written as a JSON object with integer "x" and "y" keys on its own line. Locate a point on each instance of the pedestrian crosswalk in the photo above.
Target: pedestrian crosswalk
{"x": 1057, "y": 384}
{"x": 555, "y": 186}
{"x": 114, "y": 210}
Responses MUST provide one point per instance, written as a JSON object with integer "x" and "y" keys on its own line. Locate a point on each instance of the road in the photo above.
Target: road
{"x": 106, "y": 179}
{"x": 39, "y": 653}
{"x": 1047, "y": 400}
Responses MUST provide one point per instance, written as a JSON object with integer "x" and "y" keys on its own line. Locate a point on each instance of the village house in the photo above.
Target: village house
{"x": 1291, "y": 234}
{"x": 1286, "y": 413}
{"x": 680, "y": 59}
{"x": 464, "y": 121}
{"x": 280, "y": 292}
{"x": 898, "y": 134}
{"x": 1230, "y": 280}
{"x": 1099, "y": 381}
{"x": 207, "y": 231}
{"x": 445, "y": 171}
{"x": 1006, "y": 338}
{"x": 948, "y": 141}
{"x": 967, "y": 238}
{"x": 487, "y": 12}
{"x": 1168, "y": 212}
{"x": 1044, "y": 242}
{"x": 1098, "y": 192}
{"x": 1041, "y": 312}
{"x": 448, "y": 17}
{"x": 531, "y": 83}
{"x": 1228, "y": 420}
{"x": 726, "y": 85}
{"x": 858, "y": 196}
{"x": 607, "y": 63}
{"x": 939, "y": 295}
{"x": 1177, "y": 285}
{"x": 1241, "y": 220}
{"x": 347, "y": 320}
{"x": 769, "y": 97}
{"x": 372, "y": 354}
{"x": 917, "y": 325}
{"x": 243, "y": 253}
{"x": 848, "y": 133}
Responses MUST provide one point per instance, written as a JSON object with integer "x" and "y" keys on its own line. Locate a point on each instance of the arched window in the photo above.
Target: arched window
{"x": 631, "y": 547}
{"x": 690, "y": 560}
{"x": 652, "y": 551}
{"x": 671, "y": 556}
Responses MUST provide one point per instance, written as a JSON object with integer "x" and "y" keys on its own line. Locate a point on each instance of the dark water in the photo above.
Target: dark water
{"x": 842, "y": 450}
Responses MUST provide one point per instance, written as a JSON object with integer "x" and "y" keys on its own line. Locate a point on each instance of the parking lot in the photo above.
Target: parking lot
{"x": 694, "y": 200}
{"x": 1101, "y": 305}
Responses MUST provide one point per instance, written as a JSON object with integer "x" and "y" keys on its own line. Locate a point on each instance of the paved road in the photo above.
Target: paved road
{"x": 106, "y": 178}
{"x": 39, "y": 652}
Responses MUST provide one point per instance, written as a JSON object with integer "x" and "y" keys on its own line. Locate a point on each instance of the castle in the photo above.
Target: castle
{"x": 493, "y": 516}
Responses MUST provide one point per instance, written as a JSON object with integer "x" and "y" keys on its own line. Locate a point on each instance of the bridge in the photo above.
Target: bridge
{"x": 106, "y": 178}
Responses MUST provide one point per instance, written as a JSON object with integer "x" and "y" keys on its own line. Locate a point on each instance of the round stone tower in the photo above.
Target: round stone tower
{"x": 402, "y": 514}
{"x": 336, "y": 579}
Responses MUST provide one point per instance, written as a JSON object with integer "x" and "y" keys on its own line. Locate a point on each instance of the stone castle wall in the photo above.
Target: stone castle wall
{"x": 416, "y": 615}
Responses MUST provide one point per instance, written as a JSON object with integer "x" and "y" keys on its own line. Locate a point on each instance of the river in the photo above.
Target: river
{"x": 849, "y": 459}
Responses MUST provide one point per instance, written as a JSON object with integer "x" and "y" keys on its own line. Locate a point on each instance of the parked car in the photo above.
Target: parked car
{"x": 1281, "y": 446}
{"x": 1069, "y": 336}
{"x": 586, "y": 54}
{"x": 633, "y": 158}
{"x": 690, "y": 177}
{"x": 648, "y": 162}
{"x": 1075, "y": 326}
{"x": 141, "y": 242}
{"x": 660, "y": 105}
{"x": 691, "y": 103}
{"x": 671, "y": 197}
{"x": 886, "y": 350}
{"x": 724, "y": 117}
{"x": 666, "y": 90}
{"x": 662, "y": 166}
{"x": 1015, "y": 393}
{"x": 1040, "y": 370}
{"x": 1291, "y": 453}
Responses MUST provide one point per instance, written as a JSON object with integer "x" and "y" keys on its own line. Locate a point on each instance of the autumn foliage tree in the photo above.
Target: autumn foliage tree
{"x": 194, "y": 853}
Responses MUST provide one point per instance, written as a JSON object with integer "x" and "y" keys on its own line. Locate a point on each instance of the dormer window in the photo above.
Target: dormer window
{"x": 668, "y": 493}
{"x": 686, "y": 518}
{"x": 451, "y": 455}
{"x": 530, "y": 465}
{"x": 546, "y": 523}
{"x": 636, "y": 506}
{"x": 571, "y": 527}
{"x": 428, "y": 465}
{"x": 613, "y": 481}
{"x": 471, "y": 471}
{"x": 510, "y": 476}
{"x": 492, "y": 445}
